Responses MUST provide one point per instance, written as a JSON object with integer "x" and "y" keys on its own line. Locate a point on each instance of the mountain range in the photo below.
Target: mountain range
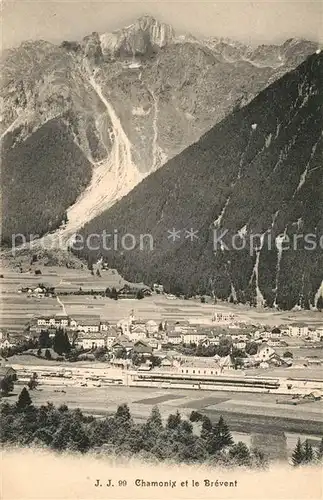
{"x": 84, "y": 122}
{"x": 256, "y": 179}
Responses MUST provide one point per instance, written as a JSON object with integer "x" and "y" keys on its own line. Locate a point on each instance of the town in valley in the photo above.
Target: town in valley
{"x": 92, "y": 340}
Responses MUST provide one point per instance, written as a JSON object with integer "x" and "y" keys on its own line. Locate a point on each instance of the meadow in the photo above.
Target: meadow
{"x": 246, "y": 413}
{"x": 17, "y": 308}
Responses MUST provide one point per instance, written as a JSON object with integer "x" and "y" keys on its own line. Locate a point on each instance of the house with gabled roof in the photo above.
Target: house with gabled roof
{"x": 142, "y": 348}
{"x": 122, "y": 342}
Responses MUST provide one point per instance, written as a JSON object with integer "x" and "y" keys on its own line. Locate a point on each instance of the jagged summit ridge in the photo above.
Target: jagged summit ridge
{"x": 143, "y": 36}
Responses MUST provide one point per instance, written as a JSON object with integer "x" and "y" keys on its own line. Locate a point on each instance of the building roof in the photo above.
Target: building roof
{"x": 123, "y": 341}
{"x": 140, "y": 348}
{"x": 201, "y": 334}
{"x": 263, "y": 345}
{"x": 112, "y": 332}
{"x": 200, "y": 363}
{"x": 91, "y": 336}
{"x": 6, "y": 370}
{"x": 87, "y": 320}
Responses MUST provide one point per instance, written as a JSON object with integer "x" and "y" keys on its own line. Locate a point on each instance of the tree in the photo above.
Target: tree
{"x": 251, "y": 348}
{"x": 308, "y": 452}
{"x": 154, "y": 425}
{"x": 225, "y": 345}
{"x": 33, "y": 382}
{"x": 6, "y": 386}
{"x": 240, "y": 453}
{"x": 140, "y": 295}
{"x": 287, "y": 354}
{"x": 48, "y": 354}
{"x": 63, "y": 408}
{"x": 186, "y": 427}
{"x": 174, "y": 421}
{"x": 123, "y": 413}
{"x": 207, "y": 428}
{"x": 155, "y": 361}
{"x": 223, "y": 434}
{"x": 195, "y": 416}
{"x": 61, "y": 343}
{"x": 78, "y": 439}
{"x": 298, "y": 454}
{"x": 319, "y": 303}
{"x": 24, "y": 400}
{"x": 121, "y": 353}
{"x": 114, "y": 294}
{"x": 44, "y": 340}
{"x": 319, "y": 451}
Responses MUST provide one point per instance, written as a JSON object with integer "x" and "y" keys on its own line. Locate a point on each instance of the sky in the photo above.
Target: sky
{"x": 257, "y": 22}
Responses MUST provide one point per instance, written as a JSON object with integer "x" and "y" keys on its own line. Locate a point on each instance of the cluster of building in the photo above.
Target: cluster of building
{"x": 303, "y": 331}
{"x": 40, "y": 291}
{"x": 147, "y": 338}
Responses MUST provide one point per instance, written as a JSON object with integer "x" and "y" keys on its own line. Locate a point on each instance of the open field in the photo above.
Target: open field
{"x": 311, "y": 373}
{"x": 248, "y": 415}
{"x": 17, "y": 309}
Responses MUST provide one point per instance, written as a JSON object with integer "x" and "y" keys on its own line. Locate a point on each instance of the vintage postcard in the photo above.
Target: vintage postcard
{"x": 161, "y": 312}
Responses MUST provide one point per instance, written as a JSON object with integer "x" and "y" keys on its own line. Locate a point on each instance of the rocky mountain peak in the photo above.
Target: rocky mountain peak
{"x": 144, "y": 36}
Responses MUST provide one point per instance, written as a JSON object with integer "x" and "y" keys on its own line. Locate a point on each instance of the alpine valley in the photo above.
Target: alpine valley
{"x": 149, "y": 131}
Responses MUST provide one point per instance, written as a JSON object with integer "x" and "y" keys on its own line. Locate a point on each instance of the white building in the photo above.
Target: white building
{"x": 125, "y": 325}
{"x": 57, "y": 321}
{"x": 298, "y": 330}
{"x": 193, "y": 337}
{"x": 104, "y": 326}
{"x": 199, "y": 367}
{"x": 90, "y": 340}
{"x": 223, "y": 317}
{"x": 151, "y": 327}
{"x": 86, "y": 323}
{"x": 173, "y": 338}
{"x": 112, "y": 334}
{"x": 6, "y": 344}
{"x": 315, "y": 335}
{"x": 137, "y": 332}
{"x": 265, "y": 352}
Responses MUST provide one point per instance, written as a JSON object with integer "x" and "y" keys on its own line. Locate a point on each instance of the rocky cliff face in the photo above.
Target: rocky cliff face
{"x": 143, "y": 38}
{"x": 121, "y": 104}
{"x": 240, "y": 212}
